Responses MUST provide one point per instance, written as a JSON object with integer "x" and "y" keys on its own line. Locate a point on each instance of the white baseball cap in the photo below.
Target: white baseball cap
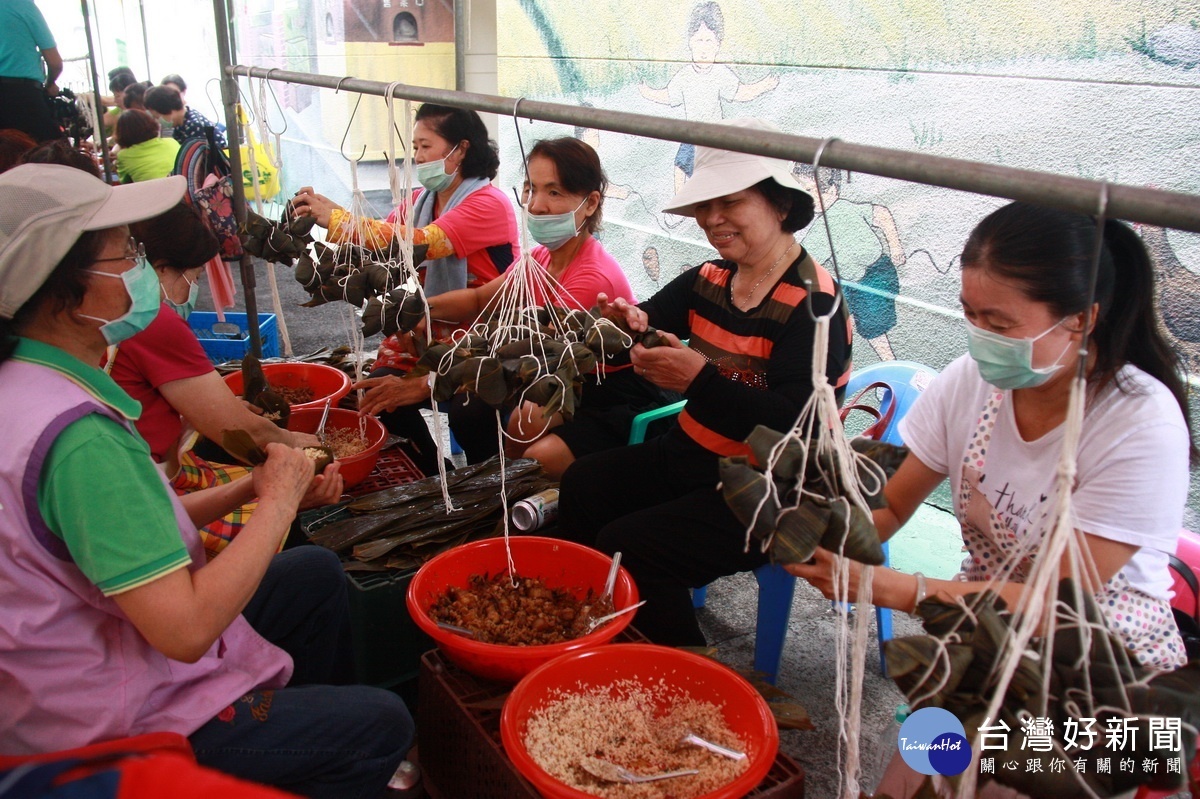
{"x": 721, "y": 172}
{"x": 45, "y": 208}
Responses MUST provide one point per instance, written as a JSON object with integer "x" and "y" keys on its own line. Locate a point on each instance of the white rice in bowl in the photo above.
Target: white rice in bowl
{"x": 622, "y": 723}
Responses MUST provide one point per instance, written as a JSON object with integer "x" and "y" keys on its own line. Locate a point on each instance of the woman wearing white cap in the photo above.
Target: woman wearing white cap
{"x": 114, "y": 625}
{"x": 749, "y": 362}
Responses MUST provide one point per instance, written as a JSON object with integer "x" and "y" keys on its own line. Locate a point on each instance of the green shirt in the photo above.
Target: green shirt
{"x": 99, "y": 490}
{"x": 147, "y": 161}
{"x": 25, "y": 36}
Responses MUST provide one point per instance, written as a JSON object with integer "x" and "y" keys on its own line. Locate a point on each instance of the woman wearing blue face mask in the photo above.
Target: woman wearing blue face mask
{"x": 114, "y": 622}
{"x": 993, "y": 423}
{"x": 470, "y": 230}
{"x": 165, "y": 369}
{"x": 563, "y": 201}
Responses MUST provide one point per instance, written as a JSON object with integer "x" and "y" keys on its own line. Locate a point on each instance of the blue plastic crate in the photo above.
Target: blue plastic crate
{"x": 230, "y": 348}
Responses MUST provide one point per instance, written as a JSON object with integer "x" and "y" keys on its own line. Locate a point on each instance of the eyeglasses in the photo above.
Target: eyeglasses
{"x": 134, "y": 251}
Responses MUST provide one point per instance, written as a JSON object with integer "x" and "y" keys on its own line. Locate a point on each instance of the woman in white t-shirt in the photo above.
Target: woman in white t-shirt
{"x": 993, "y": 423}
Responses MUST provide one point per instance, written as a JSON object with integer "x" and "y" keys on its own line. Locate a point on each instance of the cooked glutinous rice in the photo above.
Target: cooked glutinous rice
{"x": 623, "y": 724}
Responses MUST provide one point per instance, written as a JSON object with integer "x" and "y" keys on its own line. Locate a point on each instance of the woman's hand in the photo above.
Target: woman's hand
{"x": 390, "y": 392}
{"x": 672, "y": 367}
{"x": 325, "y": 489}
{"x": 301, "y": 440}
{"x": 623, "y": 309}
{"x": 308, "y": 203}
{"x": 889, "y": 588}
{"x": 284, "y": 477}
{"x": 819, "y": 572}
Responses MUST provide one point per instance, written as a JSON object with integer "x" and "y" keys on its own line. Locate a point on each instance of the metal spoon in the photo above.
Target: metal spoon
{"x": 454, "y": 628}
{"x": 324, "y": 418}
{"x": 611, "y": 772}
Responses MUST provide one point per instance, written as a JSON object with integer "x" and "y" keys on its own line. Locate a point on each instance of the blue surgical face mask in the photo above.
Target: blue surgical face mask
{"x": 432, "y": 174}
{"x": 553, "y": 230}
{"x": 185, "y": 308}
{"x": 1007, "y": 363}
{"x": 141, "y": 283}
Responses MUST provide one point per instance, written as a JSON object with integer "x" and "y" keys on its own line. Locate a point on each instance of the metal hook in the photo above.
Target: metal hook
{"x": 266, "y": 80}
{"x": 342, "y": 145}
{"x": 341, "y": 80}
{"x": 217, "y": 113}
{"x": 837, "y": 275}
{"x": 520, "y": 142}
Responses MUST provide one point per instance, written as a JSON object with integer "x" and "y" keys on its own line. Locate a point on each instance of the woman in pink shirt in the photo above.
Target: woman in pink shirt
{"x": 470, "y": 230}
{"x": 563, "y": 200}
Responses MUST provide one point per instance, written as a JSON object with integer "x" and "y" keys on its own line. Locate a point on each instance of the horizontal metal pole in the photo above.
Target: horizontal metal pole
{"x": 1132, "y": 203}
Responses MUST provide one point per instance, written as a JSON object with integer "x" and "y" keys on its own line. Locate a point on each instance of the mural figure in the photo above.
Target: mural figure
{"x": 868, "y": 250}
{"x": 1178, "y": 297}
{"x": 701, "y": 86}
{"x": 650, "y": 263}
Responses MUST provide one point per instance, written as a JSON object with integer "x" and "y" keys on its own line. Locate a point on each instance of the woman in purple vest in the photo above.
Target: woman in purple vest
{"x": 114, "y": 624}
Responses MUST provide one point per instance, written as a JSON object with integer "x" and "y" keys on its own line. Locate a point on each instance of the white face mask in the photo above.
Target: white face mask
{"x": 185, "y": 308}
{"x": 553, "y": 230}
{"x": 1007, "y": 363}
{"x": 432, "y": 174}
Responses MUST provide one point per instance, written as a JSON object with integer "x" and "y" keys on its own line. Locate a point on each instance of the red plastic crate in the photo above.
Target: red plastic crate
{"x": 393, "y": 468}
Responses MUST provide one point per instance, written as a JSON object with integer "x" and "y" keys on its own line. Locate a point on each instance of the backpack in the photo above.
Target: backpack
{"x": 210, "y": 189}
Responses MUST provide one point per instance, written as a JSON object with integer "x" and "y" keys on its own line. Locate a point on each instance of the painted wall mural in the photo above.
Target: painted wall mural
{"x": 1103, "y": 91}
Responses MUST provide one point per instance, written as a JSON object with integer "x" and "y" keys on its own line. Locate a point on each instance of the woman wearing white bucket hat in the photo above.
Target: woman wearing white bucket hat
{"x": 748, "y": 318}
{"x": 114, "y": 624}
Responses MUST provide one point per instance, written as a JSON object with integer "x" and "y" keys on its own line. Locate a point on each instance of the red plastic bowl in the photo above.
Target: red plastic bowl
{"x": 561, "y": 564}
{"x": 355, "y": 468}
{"x": 324, "y": 380}
{"x": 746, "y": 712}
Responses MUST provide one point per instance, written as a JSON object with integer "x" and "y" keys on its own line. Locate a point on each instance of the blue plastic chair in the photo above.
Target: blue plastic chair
{"x": 776, "y": 587}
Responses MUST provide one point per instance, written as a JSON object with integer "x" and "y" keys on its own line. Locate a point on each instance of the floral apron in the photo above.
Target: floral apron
{"x": 1143, "y": 622}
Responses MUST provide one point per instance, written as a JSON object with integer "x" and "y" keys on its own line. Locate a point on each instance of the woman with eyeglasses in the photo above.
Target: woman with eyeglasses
{"x": 563, "y": 201}
{"x": 184, "y": 401}
{"x": 115, "y": 624}
{"x": 470, "y": 230}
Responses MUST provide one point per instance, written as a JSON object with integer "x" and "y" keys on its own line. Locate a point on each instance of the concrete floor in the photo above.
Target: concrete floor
{"x": 808, "y": 671}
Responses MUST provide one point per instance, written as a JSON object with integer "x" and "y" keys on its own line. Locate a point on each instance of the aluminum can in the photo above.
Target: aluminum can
{"x": 536, "y": 511}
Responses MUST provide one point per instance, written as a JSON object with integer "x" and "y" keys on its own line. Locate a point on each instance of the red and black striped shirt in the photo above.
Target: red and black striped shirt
{"x": 760, "y": 360}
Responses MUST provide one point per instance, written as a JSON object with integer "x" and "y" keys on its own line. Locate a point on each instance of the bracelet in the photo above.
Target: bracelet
{"x": 920, "y": 591}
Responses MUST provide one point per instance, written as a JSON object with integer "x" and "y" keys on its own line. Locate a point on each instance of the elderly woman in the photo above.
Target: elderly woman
{"x": 747, "y": 315}
{"x": 999, "y": 412}
{"x": 166, "y": 370}
{"x": 115, "y": 625}
{"x": 563, "y": 200}
{"x": 471, "y": 233}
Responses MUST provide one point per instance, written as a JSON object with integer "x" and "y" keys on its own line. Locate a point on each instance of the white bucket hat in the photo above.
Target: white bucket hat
{"x": 45, "y": 208}
{"x": 721, "y": 172}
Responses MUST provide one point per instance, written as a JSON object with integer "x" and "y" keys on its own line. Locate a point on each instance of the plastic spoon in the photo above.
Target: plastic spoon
{"x": 611, "y": 772}
{"x": 696, "y": 740}
{"x": 611, "y": 582}
{"x": 594, "y": 623}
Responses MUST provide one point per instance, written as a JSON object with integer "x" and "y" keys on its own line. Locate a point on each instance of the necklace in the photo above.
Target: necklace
{"x": 769, "y": 272}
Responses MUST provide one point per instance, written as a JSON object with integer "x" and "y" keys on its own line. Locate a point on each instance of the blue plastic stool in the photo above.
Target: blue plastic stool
{"x": 907, "y": 379}
{"x": 775, "y": 586}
